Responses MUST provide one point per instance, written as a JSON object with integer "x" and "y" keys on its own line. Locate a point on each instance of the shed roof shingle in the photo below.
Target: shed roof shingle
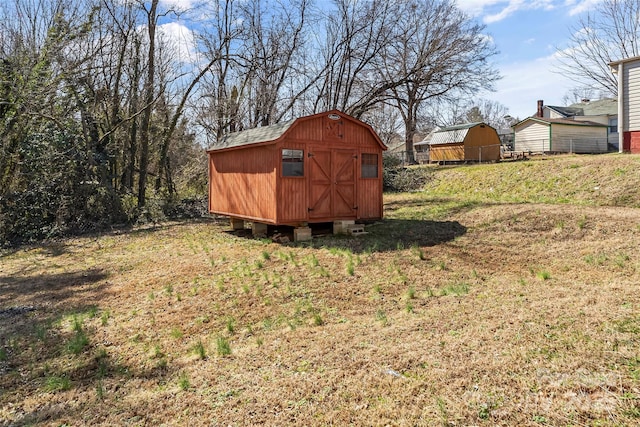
{"x": 253, "y": 136}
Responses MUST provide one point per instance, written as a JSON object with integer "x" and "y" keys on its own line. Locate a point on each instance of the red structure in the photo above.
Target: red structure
{"x": 320, "y": 168}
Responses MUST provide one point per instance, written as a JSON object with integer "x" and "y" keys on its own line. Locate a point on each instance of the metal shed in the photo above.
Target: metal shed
{"x": 320, "y": 168}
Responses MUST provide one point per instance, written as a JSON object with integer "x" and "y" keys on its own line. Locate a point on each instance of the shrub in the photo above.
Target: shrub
{"x": 397, "y": 178}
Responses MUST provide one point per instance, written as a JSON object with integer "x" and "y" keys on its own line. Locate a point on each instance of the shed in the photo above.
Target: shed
{"x": 545, "y": 135}
{"x": 628, "y": 71}
{"x": 467, "y": 142}
{"x": 320, "y": 168}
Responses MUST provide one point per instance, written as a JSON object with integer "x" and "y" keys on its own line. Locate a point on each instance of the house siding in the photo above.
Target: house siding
{"x": 578, "y": 139}
{"x": 631, "y": 98}
{"x": 533, "y": 137}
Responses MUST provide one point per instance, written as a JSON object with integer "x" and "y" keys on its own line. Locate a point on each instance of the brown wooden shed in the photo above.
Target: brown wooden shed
{"x": 320, "y": 168}
{"x": 477, "y": 142}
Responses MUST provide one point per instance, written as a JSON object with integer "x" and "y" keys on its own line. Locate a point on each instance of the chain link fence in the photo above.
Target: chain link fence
{"x": 563, "y": 145}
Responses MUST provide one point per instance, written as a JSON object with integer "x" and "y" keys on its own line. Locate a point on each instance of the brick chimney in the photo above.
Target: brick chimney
{"x": 540, "y": 113}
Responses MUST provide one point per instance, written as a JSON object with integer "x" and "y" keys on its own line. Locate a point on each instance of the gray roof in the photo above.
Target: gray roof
{"x": 252, "y": 136}
{"x": 601, "y": 107}
{"x": 560, "y": 122}
{"x": 452, "y": 134}
{"x": 566, "y": 111}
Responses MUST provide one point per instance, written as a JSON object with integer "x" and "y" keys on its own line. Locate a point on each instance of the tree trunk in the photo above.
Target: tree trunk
{"x": 148, "y": 101}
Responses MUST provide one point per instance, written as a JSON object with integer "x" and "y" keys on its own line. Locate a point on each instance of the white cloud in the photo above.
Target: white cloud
{"x": 177, "y": 4}
{"x": 496, "y": 10}
{"x": 180, "y": 40}
{"x": 524, "y": 83}
{"x": 578, "y": 6}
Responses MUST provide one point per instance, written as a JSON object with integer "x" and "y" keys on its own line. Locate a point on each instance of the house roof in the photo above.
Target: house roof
{"x": 570, "y": 122}
{"x": 253, "y": 136}
{"x": 452, "y": 134}
{"x": 601, "y": 107}
{"x": 621, "y": 61}
{"x": 566, "y": 111}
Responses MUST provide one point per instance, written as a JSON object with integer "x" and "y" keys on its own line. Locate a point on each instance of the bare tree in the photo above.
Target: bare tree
{"x": 611, "y": 32}
{"x": 356, "y": 34}
{"x": 274, "y": 36}
{"x": 218, "y": 104}
{"x": 437, "y": 52}
{"x": 490, "y": 112}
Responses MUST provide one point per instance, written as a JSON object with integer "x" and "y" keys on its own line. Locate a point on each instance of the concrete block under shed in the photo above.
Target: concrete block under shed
{"x": 356, "y": 230}
{"x": 302, "y": 234}
{"x": 258, "y": 229}
{"x": 342, "y": 226}
{"x": 237, "y": 224}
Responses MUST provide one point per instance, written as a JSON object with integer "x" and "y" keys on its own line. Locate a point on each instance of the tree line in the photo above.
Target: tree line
{"x": 106, "y": 107}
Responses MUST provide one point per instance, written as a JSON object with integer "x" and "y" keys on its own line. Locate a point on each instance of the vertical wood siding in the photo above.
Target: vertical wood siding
{"x": 482, "y": 143}
{"x": 447, "y": 152}
{"x": 242, "y": 183}
{"x": 292, "y": 201}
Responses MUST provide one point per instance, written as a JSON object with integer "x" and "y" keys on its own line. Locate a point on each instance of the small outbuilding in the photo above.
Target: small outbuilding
{"x": 546, "y": 135}
{"x": 325, "y": 167}
{"x": 476, "y": 142}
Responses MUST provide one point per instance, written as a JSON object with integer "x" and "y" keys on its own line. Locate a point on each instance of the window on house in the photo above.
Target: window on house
{"x": 613, "y": 125}
{"x": 292, "y": 162}
{"x": 369, "y": 163}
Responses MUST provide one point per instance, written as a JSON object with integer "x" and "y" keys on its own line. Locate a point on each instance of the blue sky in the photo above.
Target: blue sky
{"x": 528, "y": 33}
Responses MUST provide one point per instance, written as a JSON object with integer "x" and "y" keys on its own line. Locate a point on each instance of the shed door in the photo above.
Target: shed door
{"x": 332, "y": 184}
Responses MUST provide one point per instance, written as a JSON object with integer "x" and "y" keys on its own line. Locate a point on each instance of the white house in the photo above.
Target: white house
{"x": 628, "y": 71}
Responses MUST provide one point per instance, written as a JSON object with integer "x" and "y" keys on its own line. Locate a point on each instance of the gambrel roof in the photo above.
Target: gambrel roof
{"x": 273, "y": 133}
{"x": 452, "y": 134}
{"x": 253, "y": 136}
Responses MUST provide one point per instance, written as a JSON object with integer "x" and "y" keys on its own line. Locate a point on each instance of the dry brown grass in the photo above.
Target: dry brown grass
{"x": 490, "y": 314}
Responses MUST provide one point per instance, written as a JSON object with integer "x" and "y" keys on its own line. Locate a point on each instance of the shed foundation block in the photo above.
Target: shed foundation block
{"x": 258, "y": 229}
{"x": 342, "y": 226}
{"x": 237, "y": 224}
{"x": 302, "y": 234}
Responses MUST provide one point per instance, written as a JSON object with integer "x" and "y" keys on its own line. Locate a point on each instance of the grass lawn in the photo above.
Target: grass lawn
{"x": 502, "y": 294}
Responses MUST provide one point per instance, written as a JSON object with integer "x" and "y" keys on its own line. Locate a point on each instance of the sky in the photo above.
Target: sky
{"x": 527, "y": 34}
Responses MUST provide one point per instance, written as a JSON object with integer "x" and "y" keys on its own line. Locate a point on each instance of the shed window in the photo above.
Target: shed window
{"x": 369, "y": 164}
{"x": 292, "y": 162}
